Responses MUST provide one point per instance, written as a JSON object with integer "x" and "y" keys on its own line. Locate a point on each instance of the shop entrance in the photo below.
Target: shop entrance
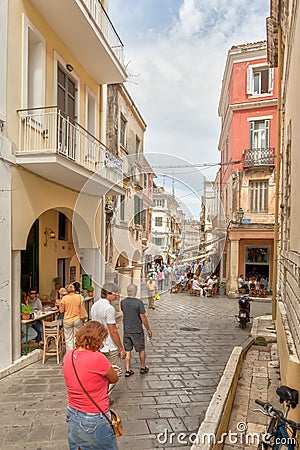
{"x": 257, "y": 271}
{"x": 30, "y": 260}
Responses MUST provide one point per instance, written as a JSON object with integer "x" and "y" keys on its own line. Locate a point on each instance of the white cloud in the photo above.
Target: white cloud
{"x": 179, "y": 49}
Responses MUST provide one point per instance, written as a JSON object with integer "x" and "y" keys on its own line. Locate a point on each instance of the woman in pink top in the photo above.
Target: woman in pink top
{"x": 87, "y": 427}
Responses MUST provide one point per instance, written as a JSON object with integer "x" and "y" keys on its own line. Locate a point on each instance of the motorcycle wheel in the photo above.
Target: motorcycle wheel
{"x": 243, "y": 323}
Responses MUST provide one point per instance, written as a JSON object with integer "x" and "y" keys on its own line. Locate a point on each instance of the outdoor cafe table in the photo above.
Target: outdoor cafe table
{"x": 39, "y": 316}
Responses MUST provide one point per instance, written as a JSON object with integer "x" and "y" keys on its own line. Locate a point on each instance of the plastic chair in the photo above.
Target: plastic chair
{"x": 53, "y": 340}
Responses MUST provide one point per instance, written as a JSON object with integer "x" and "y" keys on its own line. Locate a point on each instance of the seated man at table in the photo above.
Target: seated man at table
{"x": 196, "y": 287}
{"x": 36, "y": 304}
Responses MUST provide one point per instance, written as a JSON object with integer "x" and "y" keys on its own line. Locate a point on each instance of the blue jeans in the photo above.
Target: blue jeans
{"x": 89, "y": 431}
{"x": 38, "y": 327}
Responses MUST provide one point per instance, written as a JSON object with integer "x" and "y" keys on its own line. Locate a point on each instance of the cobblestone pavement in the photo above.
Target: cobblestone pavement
{"x": 259, "y": 378}
{"x": 192, "y": 340}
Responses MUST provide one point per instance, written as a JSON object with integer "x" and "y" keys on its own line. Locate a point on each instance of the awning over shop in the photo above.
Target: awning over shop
{"x": 200, "y": 258}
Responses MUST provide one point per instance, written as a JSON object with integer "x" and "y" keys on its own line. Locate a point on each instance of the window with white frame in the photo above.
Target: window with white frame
{"x": 158, "y": 221}
{"x": 258, "y": 196}
{"x": 90, "y": 112}
{"x": 160, "y": 203}
{"x": 123, "y": 123}
{"x": 259, "y": 80}
{"x": 122, "y": 207}
{"x": 34, "y": 67}
{"x": 158, "y": 241}
{"x": 260, "y": 134}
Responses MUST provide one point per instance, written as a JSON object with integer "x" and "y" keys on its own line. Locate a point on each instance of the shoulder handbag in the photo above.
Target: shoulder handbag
{"x": 83, "y": 312}
{"x": 115, "y": 420}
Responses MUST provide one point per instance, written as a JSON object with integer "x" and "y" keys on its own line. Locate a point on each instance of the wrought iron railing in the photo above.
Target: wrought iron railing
{"x": 49, "y": 130}
{"x": 259, "y": 157}
{"x": 103, "y": 22}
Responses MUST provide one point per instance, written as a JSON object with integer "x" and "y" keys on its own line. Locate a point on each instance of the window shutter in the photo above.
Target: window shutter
{"x": 249, "y": 80}
{"x": 271, "y": 79}
{"x": 267, "y": 127}
{"x": 251, "y": 134}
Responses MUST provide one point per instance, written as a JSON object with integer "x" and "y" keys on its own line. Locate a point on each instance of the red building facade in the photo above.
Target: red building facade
{"x": 248, "y": 110}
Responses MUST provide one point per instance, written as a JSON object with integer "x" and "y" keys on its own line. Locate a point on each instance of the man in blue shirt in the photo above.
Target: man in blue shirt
{"x": 134, "y": 317}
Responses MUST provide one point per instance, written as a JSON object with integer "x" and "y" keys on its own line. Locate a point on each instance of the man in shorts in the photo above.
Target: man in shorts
{"x": 134, "y": 317}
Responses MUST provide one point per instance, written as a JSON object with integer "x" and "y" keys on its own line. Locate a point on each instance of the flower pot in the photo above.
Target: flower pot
{"x": 25, "y": 316}
{"x": 222, "y": 290}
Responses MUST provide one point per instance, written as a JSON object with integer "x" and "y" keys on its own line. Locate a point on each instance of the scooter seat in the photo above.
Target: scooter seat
{"x": 288, "y": 395}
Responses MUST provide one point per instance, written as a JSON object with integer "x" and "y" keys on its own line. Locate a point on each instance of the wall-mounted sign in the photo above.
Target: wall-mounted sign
{"x": 246, "y": 221}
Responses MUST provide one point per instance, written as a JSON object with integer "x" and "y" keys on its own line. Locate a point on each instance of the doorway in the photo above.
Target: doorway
{"x": 30, "y": 260}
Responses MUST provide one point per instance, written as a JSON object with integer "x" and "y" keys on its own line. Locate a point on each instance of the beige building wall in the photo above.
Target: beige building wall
{"x": 288, "y": 308}
{"x": 19, "y": 13}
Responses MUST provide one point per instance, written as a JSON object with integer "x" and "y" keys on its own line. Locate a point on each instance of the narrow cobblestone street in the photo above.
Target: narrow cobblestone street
{"x": 192, "y": 340}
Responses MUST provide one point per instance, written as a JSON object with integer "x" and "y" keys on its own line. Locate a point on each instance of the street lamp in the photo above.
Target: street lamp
{"x": 240, "y": 214}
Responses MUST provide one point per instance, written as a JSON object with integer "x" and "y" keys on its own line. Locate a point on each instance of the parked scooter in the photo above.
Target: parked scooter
{"x": 244, "y": 312}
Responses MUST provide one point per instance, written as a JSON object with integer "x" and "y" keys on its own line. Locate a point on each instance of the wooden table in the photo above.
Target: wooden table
{"x": 28, "y": 322}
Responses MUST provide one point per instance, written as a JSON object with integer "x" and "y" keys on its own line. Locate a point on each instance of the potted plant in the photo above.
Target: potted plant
{"x": 222, "y": 288}
{"x": 25, "y": 312}
{"x": 57, "y": 282}
{"x": 90, "y": 291}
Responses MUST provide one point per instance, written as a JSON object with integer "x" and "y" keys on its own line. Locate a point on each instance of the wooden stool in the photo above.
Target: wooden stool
{"x": 53, "y": 339}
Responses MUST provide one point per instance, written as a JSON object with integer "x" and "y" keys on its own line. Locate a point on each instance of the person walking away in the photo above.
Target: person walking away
{"x": 103, "y": 311}
{"x": 152, "y": 291}
{"x": 134, "y": 317}
{"x": 88, "y": 428}
{"x": 160, "y": 278}
{"x": 166, "y": 275}
{"x": 70, "y": 306}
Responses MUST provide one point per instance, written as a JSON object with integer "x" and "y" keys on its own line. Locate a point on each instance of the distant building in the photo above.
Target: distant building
{"x": 166, "y": 232}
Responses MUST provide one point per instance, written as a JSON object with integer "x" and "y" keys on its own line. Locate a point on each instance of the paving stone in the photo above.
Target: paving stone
{"x": 184, "y": 373}
{"x": 159, "y": 425}
{"x": 167, "y": 412}
{"x": 135, "y": 427}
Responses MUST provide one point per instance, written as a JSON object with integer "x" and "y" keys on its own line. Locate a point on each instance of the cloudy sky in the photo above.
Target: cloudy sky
{"x": 175, "y": 51}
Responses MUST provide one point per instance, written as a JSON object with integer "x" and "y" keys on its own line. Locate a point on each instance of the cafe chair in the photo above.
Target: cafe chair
{"x": 53, "y": 340}
{"x": 215, "y": 289}
{"x": 252, "y": 290}
{"x": 262, "y": 290}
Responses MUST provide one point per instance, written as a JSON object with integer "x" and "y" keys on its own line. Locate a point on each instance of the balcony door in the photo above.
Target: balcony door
{"x": 259, "y": 141}
{"x": 66, "y": 102}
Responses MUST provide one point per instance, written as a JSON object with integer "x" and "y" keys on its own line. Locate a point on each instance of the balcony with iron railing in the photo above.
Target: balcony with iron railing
{"x": 52, "y": 145}
{"x": 90, "y": 35}
{"x": 256, "y": 157}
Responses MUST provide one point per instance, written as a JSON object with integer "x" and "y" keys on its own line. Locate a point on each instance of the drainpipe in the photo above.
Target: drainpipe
{"x": 277, "y": 168}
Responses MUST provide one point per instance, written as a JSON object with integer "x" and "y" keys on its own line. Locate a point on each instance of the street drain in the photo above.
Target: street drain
{"x": 189, "y": 329}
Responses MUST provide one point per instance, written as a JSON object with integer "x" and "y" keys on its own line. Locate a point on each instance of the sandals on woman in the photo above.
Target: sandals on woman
{"x": 144, "y": 370}
{"x": 128, "y": 373}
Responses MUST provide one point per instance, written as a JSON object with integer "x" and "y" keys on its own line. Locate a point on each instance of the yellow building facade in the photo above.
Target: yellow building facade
{"x": 55, "y": 168}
